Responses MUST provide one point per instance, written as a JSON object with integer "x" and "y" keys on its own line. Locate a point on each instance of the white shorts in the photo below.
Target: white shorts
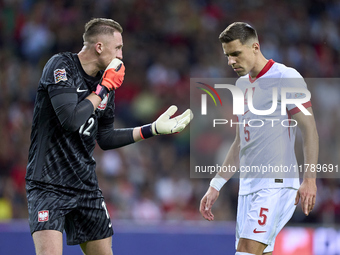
{"x": 262, "y": 215}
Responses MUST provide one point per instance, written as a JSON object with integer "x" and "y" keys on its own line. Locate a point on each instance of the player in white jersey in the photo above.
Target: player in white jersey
{"x": 268, "y": 140}
{"x": 266, "y": 201}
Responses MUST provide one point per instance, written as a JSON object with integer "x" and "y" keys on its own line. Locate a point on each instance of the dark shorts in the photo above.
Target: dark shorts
{"x": 82, "y": 215}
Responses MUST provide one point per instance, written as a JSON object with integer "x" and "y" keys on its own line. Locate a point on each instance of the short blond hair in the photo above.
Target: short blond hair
{"x": 98, "y": 26}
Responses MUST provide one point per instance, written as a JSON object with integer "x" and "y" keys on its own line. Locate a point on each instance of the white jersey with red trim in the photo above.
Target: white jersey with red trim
{"x": 267, "y": 157}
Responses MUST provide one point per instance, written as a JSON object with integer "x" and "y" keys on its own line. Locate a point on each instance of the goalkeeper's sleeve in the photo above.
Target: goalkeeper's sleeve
{"x": 109, "y": 138}
{"x": 71, "y": 114}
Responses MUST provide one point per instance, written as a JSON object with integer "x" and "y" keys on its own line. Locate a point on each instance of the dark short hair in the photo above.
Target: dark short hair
{"x": 98, "y": 26}
{"x": 238, "y": 30}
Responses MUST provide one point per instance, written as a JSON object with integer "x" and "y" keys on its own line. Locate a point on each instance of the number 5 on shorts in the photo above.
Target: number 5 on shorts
{"x": 263, "y": 216}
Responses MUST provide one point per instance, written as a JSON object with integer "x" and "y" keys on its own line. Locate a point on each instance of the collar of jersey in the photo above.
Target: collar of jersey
{"x": 263, "y": 71}
{"x": 80, "y": 68}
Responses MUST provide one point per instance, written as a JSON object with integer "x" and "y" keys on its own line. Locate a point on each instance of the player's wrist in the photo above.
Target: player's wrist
{"x": 217, "y": 182}
{"x": 309, "y": 180}
{"x": 146, "y": 131}
{"x": 101, "y": 91}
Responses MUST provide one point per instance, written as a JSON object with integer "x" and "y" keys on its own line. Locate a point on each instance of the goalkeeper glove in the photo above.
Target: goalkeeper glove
{"x": 112, "y": 78}
{"x": 165, "y": 125}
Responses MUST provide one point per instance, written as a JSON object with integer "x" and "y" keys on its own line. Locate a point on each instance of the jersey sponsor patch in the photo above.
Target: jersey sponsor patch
{"x": 43, "y": 216}
{"x": 103, "y": 103}
{"x": 60, "y": 75}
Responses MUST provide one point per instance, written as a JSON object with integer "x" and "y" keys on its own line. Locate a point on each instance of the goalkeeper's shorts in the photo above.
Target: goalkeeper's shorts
{"x": 83, "y": 215}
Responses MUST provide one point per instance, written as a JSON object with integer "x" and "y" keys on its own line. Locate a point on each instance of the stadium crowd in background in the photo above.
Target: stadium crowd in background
{"x": 165, "y": 44}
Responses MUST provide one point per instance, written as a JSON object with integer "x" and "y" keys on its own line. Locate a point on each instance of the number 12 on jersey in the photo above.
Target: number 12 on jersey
{"x": 88, "y": 128}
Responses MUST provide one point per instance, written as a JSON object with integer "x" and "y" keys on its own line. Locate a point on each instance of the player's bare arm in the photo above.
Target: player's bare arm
{"x": 212, "y": 193}
{"x": 307, "y": 190}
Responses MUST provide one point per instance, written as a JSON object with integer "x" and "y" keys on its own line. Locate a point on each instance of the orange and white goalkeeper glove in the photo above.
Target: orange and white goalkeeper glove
{"x": 112, "y": 78}
{"x": 167, "y": 125}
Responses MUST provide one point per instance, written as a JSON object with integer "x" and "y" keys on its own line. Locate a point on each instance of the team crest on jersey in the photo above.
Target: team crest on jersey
{"x": 60, "y": 75}
{"x": 103, "y": 103}
{"x": 43, "y": 216}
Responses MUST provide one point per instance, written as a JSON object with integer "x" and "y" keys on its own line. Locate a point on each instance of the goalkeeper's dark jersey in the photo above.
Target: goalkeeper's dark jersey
{"x": 58, "y": 157}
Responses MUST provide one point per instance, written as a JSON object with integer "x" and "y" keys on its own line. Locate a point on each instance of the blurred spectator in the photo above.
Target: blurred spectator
{"x": 145, "y": 209}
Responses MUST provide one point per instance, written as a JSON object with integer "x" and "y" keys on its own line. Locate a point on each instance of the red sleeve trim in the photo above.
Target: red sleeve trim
{"x": 296, "y": 109}
{"x": 140, "y": 132}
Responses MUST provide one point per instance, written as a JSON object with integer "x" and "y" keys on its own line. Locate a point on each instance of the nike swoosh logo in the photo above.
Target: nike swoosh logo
{"x": 257, "y": 231}
{"x": 81, "y": 90}
{"x": 110, "y": 225}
